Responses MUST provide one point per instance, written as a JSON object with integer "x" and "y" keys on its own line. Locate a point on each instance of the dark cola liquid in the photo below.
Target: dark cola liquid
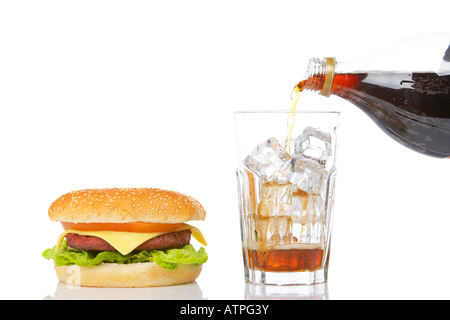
{"x": 413, "y": 108}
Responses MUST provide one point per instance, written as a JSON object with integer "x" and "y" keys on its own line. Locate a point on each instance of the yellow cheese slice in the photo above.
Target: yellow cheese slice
{"x": 125, "y": 242}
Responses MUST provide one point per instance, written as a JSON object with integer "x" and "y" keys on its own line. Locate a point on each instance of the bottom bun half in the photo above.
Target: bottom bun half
{"x": 136, "y": 275}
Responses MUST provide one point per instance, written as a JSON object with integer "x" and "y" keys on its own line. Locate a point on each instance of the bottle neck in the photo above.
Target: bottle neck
{"x": 319, "y": 75}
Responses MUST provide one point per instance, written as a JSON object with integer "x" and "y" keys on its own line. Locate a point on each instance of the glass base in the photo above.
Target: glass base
{"x": 286, "y": 278}
{"x": 292, "y": 292}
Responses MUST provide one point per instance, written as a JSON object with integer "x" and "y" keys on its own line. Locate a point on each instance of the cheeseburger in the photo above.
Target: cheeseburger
{"x": 126, "y": 238}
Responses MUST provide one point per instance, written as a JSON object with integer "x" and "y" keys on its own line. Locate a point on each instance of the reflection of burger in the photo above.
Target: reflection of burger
{"x": 126, "y": 238}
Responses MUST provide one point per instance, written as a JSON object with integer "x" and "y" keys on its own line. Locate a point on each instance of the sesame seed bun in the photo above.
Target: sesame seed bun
{"x": 125, "y": 205}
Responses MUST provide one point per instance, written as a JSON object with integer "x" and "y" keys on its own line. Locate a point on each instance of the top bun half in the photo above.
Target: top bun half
{"x": 125, "y": 206}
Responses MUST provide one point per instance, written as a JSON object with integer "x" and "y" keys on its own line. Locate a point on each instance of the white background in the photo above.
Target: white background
{"x": 142, "y": 93}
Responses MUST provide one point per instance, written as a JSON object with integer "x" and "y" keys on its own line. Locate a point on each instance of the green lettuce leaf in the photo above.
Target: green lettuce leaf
{"x": 168, "y": 259}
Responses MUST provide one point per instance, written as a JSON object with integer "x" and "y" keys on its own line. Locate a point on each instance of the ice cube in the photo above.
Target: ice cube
{"x": 274, "y": 222}
{"x": 314, "y": 144}
{"x": 276, "y": 200}
{"x": 280, "y": 231}
{"x": 308, "y": 175}
{"x": 300, "y": 200}
{"x": 309, "y": 211}
{"x": 317, "y": 221}
{"x": 274, "y": 231}
{"x": 270, "y": 162}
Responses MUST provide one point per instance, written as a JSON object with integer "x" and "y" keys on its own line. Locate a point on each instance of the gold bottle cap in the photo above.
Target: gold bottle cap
{"x": 326, "y": 91}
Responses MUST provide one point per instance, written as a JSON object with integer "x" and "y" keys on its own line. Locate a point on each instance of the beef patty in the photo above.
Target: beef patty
{"x": 165, "y": 241}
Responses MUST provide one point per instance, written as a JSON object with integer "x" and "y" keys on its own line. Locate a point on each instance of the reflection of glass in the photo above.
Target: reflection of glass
{"x": 286, "y": 195}
{"x": 301, "y": 292}
{"x": 190, "y": 291}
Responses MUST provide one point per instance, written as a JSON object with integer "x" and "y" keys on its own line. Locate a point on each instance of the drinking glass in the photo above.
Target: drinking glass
{"x": 286, "y": 194}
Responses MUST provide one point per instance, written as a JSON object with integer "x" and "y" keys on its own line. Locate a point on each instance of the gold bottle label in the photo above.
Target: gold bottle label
{"x": 326, "y": 91}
